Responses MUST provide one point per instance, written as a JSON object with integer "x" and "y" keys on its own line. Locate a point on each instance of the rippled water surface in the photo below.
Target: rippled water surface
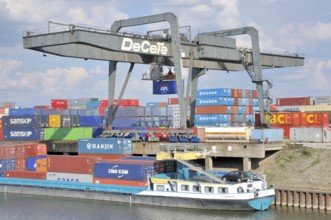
{"x": 18, "y": 207}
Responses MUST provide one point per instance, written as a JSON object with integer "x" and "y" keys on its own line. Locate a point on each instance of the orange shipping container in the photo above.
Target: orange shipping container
{"x": 210, "y": 110}
{"x": 41, "y": 165}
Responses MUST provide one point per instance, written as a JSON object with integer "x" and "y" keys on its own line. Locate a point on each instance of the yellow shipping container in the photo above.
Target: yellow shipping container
{"x": 54, "y": 121}
{"x": 41, "y": 165}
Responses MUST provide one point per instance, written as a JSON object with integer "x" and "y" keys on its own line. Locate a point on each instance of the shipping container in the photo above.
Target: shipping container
{"x": 25, "y": 174}
{"x": 271, "y": 135}
{"x": 120, "y": 182}
{"x": 69, "y": 121}
{"x": 321, "y": 100}
{"x": 307, "y": 134}
{"x": 118, "y": 170}
{"x": 105, "y": 146}
{"x": 70, "y": 164}
{"x": 70, "y": 177}
{"x": 212, "y": 101}
{"x": 29, "y": 121}
{"x": 294, "y": 101}
{"x": 314, "y": 119}
{"x": 7, "y": 104}
{"x": 41, "y": 165}
{"x": 59, "y": 104}
{"x": 100, "y": 157}
{"x": 31, "y": 162}
{"x": 164, "y": 87}
{"x": 22, "y": 134}
{"x": 71, "y": 134}
{"x": 54, "y": 121}
{"x": 201, "y": 110}
{"x": 91, "y": 121}
{"x": 24, "y": 111}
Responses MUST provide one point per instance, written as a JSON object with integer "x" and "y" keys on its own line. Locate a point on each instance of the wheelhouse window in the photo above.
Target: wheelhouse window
{"x": 196, "y": 188}
{"x": 160, "y": 188}
{"x": 185, "y": 188}
{"x": 209, "y": 189}
{"x": 222, "y": 190}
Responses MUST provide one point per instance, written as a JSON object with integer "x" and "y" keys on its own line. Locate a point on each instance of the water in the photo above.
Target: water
{"x": 18, "y": 207}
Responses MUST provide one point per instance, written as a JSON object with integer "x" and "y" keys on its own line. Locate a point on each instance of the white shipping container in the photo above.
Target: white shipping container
{"x": 69, "y": 177}
{"x": 321, "y": 100}
{"x": 308, "y": 134}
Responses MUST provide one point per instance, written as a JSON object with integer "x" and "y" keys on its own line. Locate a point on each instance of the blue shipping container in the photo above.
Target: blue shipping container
{"x": 7, "y": 165}
{"x": 210, "y": 101}
{"x": 206, "y": 93}
{"x": 22, "y": 134}
{"x": 24, "y": 111}
{"x": 123, "y": 171}
{"x": 209, "y": 118}
{"x": 269, "y": 135}
{"x": 105, "y": 146}
{"x": 164, "y": 87}
{"x": 91, "y": 121}
{"x": 30, "y": 121}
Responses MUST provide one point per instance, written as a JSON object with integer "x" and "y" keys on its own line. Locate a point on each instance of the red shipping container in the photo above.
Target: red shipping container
{"x": 59, "y": 104}
{"x": 20, "y": 163}
{"x": 273, "y": 107}
{"x": 314, "y": 119}
{"x": 70, "y": 164}
{"x": 234, "y": 109}
{"x": 286, "y": 130}
{"x": 293, "y": 101}
{"x": 0, "y": 134}
{"x": 119, "y": 182}
{"x": 254, "y": 94}
{"x": 26, "y": 174}
{"x": 35, "y": 149}
{"x": 283, "y": 118}
{"x": 2, "y": 111}
{"x": 104, "y": 103}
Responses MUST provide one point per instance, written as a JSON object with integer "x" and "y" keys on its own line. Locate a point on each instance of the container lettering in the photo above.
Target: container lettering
{"x": 20, "y": 133}
{"x": 67, "y": 179}
{"x": 145, "y": 47}
{"x": 14, "y": 121}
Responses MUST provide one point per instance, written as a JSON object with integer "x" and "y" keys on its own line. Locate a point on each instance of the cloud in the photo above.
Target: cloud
{"x": 6, "y": 69}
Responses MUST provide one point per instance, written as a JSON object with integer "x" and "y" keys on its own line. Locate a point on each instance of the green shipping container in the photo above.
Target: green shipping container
{"x": 67, "y": 134}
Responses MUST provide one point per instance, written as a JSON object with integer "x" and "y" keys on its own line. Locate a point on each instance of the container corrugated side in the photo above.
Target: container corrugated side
{"x": 70, "y": 164}
{"x": 70, "y": 177}
{"x": 29, "y": 121}
{"x": 116, "y": 170}
{"x": 22, "y": 134}
{"x": 91, "y": 121}
{"x": 306, "y": 134}
{"x": 71, "y": 134}
{"x": 105, "y": 146}
{"x": 267, "y": 135}
{"x": 25, "y": 174}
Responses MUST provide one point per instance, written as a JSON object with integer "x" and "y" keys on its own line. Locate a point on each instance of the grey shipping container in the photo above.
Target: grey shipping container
{"x": 310, "y": 135}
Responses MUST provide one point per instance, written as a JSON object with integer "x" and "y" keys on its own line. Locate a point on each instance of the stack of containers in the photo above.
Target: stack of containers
{"x": 223, "y": 107}
{"x": 173, "y": 106}
{"x": 16, "y": 160}
{"x": 288, "y": 120}
{"x": 70, "y": 168}
{"x": 24, "y": 124}
{"x": 0, "y": 129}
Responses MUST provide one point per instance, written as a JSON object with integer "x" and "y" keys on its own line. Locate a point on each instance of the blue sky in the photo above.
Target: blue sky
{"x": 296, "y": 26}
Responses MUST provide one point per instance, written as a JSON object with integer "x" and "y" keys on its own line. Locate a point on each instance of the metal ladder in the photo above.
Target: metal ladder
{"x": 199, "y": 168}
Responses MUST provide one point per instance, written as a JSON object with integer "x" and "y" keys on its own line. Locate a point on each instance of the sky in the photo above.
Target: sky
{"x": 285, "y": 26}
